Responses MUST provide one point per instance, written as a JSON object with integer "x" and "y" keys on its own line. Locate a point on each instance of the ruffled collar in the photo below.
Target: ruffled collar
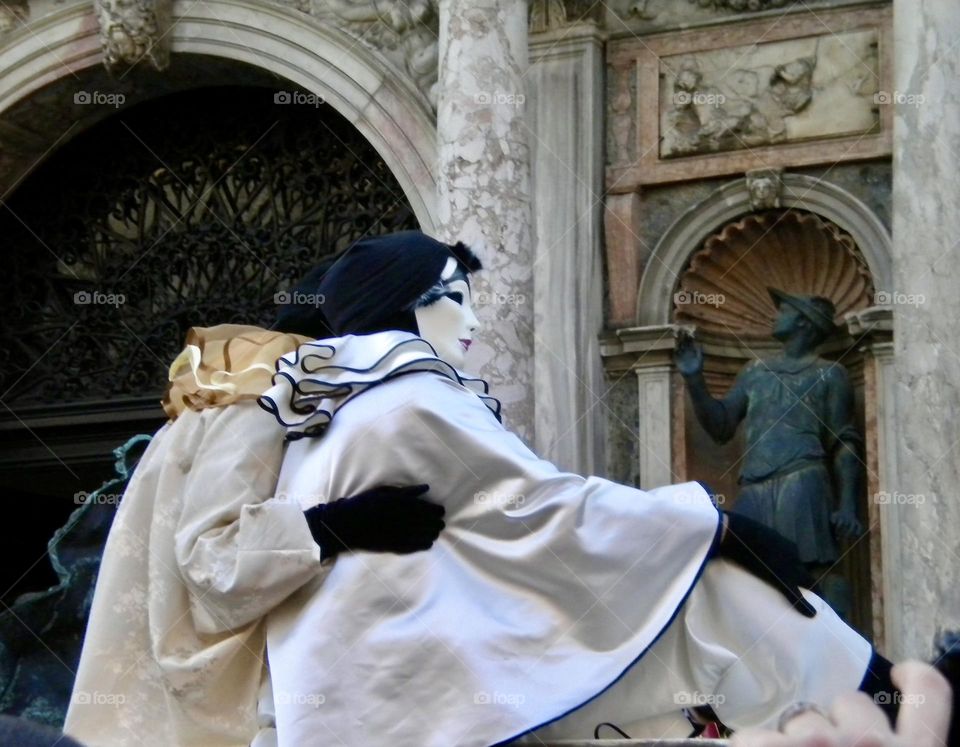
{"x": 313, "y": 382}
{"x": 224, "y": 364}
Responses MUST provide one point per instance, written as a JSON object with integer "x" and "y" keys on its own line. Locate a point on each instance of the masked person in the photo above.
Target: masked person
{"x": 203, "y": 547}
{"x": 551, "y": 602}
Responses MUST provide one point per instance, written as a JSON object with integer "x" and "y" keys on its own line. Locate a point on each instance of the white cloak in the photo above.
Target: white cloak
{"x": 541, "y": 592}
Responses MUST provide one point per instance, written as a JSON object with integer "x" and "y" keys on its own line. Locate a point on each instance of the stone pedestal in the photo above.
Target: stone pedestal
{"x": 926, "y": 228}
{"x": 483, "y": 182}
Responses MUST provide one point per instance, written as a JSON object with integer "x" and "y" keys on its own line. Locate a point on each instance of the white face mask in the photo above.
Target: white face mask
{"x": 448, "y": 323}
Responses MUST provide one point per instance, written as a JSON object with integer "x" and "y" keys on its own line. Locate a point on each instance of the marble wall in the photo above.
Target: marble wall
{"x": 926, "y": 227}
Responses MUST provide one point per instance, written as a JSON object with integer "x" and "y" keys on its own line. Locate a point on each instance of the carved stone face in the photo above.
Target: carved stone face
{"x": 448, "y": 323}
{"x": 764, "y": 193}
{"x": 688, "y": 80}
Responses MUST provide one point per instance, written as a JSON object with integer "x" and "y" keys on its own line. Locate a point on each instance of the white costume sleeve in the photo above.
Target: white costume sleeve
{"x": 241, "y": 549}
{"x": 543, "y": 588}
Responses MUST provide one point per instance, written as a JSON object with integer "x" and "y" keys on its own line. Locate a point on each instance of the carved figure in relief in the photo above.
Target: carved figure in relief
{"x": 133, "y": 30}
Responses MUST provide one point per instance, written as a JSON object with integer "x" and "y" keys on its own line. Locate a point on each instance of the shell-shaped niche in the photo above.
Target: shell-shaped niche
{"x": 724, "y": 288}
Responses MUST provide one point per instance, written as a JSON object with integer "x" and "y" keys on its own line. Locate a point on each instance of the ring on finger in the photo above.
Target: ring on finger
{"x": 794, "y": 710}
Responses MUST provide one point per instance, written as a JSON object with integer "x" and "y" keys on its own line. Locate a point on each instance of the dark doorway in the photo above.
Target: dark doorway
{"x": 192, "y": 209}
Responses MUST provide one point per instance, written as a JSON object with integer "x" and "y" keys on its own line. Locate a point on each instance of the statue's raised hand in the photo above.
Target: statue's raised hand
{"x": 688, "y": 356}
{"x": 846, "y": 524}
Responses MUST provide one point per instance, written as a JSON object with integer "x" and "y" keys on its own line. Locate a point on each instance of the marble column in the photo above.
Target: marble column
{"x": 484, "y": 186}
{"x": 873, "y": 328}
{"x": 648, "y": 352}
{"x": 655, "y": 420}
{"x": 565, "y": 108}
{"x": 926, "y": 235}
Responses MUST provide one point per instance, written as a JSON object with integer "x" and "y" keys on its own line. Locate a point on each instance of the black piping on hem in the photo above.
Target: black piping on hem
{"x": 710, "y": 552}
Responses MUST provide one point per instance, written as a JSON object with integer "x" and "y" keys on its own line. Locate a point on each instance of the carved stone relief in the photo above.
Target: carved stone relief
{"x": 12, "y": 14}
{"x": 407, "y": 32}
{"x": 743, "y": 97}
{"x": 741, "y": 6}
{"x": 644, "y": 16}
{"x": 775, "y": 91}
{"x": 134, "y": 30}
{"x": 765, "y": 187}
{"x": 553, "y": 14}
{"x": 622, "y": 124}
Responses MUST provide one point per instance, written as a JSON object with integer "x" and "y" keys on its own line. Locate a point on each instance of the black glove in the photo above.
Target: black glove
{"x": 382, "y": 519}
{"x": 769, "y": 556}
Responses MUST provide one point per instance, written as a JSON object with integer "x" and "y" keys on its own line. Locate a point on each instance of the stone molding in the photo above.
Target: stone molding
{"x": 654, "y": 300}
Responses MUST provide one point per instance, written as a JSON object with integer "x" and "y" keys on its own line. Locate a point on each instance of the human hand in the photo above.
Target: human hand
{"x": 846, "y": 524}
{"x": 381, "y": 519}
{"x": 688, "y": 355}
{"x": 855, "y": 720}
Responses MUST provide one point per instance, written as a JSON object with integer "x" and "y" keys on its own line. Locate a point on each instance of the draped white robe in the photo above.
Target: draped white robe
{"x": 543, "y": 589}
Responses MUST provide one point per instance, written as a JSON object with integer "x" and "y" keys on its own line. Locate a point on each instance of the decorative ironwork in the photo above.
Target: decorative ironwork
{"x": 195, "y": 209}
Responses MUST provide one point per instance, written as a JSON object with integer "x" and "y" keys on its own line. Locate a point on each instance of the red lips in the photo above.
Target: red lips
{"x": 466, "y": 343}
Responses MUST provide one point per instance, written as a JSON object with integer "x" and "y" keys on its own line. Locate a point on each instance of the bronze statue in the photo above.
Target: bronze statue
{"x": 802, "y": 448}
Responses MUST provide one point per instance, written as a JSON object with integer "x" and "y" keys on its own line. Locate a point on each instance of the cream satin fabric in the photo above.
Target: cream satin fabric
{"x": 224, "y": 364}
{"x": 200, "y": 550}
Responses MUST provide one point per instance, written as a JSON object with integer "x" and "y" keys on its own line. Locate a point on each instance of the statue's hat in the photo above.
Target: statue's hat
{"x": 817, "y": 309}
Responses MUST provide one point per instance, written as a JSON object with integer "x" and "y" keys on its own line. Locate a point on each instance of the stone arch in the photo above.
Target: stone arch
{"x": 358, "y": 82}
{"x": 732, "y": 201}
